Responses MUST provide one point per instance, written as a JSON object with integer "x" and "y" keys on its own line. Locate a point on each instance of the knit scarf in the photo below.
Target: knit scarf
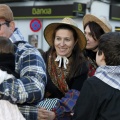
{"x": 58, "y": 74}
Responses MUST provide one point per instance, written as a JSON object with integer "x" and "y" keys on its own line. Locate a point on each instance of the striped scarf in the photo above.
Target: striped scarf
{"x": 110, "y": 75}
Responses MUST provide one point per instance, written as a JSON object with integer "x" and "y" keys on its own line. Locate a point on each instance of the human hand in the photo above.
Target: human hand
{"x": 44, "y": 114}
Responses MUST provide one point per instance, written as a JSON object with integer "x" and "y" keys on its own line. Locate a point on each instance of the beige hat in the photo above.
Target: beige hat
{"x": 49, "y": 31}
{"x": 104, "y": 24}
{"x": 6, "y": 13}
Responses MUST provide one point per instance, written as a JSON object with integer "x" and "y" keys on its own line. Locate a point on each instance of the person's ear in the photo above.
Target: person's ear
{"x": 102, "y": 58}
{"x": 12, "y": 25}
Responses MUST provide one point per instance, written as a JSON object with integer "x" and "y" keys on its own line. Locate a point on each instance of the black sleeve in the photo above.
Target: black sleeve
{"x": 86, "y": 105}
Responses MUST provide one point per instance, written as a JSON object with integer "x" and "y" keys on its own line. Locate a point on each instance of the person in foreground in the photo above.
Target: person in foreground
{"x": 100, "y": 95}
{"x": 94, "y": 27}
{"x": 28, "y": 90}
{"x": 8, "y": 111}
{"x": 66, "y": 68}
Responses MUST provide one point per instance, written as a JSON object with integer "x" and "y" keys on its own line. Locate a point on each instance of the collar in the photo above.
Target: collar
{"x": 65, "y": 61}
{"x": 16, "y": 36}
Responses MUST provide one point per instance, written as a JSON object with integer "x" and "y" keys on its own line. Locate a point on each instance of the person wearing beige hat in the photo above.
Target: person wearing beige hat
{"x": 94, "y": 27}
{"x": 66, "y": 69}
{"x": 27, "y": 90}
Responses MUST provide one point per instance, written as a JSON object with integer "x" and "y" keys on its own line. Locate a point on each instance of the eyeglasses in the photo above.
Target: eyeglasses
{"x": 3, "y": 24}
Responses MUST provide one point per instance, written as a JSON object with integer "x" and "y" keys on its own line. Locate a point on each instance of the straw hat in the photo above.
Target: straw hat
{"x": 49, "y": 31}
{"x": 104, "y": 24}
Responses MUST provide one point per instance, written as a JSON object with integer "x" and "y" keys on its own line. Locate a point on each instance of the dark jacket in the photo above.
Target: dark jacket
{"x": 97, "y": 101}
{"x": 75, "y": 83}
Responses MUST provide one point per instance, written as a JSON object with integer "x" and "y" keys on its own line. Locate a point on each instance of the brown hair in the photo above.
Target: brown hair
{"x": 6, "y": 46}
{"x": 110, "y": 46}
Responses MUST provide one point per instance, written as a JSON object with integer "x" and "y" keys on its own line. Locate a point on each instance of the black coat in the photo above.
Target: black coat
{"x": 97, "y": 101}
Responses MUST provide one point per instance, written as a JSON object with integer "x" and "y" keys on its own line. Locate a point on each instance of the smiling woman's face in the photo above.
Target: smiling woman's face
{"x": 64, "y": 42}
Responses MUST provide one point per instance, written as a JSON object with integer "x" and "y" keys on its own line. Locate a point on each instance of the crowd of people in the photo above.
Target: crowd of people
{"x": 77, "y": 78}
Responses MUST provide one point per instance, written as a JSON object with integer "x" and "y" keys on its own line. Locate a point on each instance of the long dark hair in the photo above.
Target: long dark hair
{"x": 96, "y": 30}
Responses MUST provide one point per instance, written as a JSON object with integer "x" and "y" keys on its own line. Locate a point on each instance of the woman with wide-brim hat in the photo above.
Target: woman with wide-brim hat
{"x": 94, "y": 27}
{"x": 66, "y": 68}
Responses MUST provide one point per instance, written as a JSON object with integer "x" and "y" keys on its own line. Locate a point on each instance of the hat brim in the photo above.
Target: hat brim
{"x": 89, "y": 18}
{"x": 49, "y": 31}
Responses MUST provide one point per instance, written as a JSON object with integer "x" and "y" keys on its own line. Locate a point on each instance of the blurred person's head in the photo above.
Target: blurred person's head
{"x": 6, "y": 46}
{"x": 109, "y": 49}
{"x": 93, "y": 28}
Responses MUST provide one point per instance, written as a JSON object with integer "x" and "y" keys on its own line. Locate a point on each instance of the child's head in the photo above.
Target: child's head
{"x": 109, "y": 45}
{"x": 6, "y": 46}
